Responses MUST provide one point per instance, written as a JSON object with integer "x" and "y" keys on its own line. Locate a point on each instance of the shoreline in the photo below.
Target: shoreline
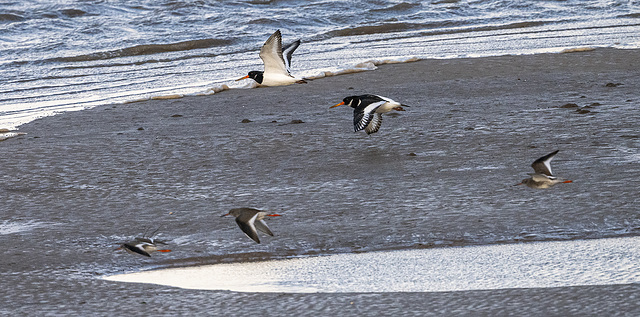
{"x": 363, "y": 66}
{"x": 82, "y": 182}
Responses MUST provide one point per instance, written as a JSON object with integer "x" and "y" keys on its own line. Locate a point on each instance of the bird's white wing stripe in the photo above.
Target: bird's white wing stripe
{"x": 389, "y": 100}
{"x": 252, "y": 221}
{"x": 541, "y": 177}
{"x": 288, "y": 52}
{"x": 363, "y": 117}
{"x": 547, "y": 163}
{"x": 370, "y": 109}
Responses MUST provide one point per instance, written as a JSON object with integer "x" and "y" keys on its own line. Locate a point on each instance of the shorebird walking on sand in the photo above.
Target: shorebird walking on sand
{"x": 249, "y": 219}
{"x": 368, "y": 110}
{"x": 543, "y": 178}
{"x": 277, "y": 63}
{"x": 143, "y": 246}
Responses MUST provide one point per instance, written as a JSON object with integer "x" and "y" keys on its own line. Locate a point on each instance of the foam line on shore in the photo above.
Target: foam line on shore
{"x": 13, "y": 116}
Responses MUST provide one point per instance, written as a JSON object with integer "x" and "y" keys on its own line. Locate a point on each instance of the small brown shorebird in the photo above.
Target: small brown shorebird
{"x": 249, "y": 219}
{"x": 143, "y": 246}
{"x": 368, "y": 110}
{"x": 543, "y": 178}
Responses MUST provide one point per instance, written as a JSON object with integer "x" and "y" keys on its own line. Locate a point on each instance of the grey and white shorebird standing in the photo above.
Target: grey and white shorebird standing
{"x": 277, "y": 63}
{"x": 249, "y": 219}
{"x": 368, "y": 110}
{"x": 143, "y": 246}
{"x": 543, "y": 177}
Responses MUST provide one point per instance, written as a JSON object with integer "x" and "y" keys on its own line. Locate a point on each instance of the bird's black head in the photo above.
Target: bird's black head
{"x": 256, "y": 75}
{"x": 352, "y": 101}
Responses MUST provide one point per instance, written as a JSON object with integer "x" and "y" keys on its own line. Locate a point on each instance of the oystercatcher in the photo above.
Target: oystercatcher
{"x": 368, "y": 110}
{"x": 277, "y": 63}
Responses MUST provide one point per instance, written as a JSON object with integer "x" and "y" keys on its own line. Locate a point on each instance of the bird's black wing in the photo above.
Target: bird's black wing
{"x": 248, "y": 229}
{"x": 543, "y": 164}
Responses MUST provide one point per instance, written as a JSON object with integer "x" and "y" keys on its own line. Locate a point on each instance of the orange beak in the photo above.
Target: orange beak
{"x": 568, "y": 182}
{"x": 163, "y": 250}
{"x": 224, "y": 215}
{"x": 274, "y": 215}
{"x": 340, "y": 104}
{"x": 245, "y": 77}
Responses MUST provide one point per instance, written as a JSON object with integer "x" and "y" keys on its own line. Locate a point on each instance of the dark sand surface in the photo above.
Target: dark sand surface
{"x": 439, "y": 174}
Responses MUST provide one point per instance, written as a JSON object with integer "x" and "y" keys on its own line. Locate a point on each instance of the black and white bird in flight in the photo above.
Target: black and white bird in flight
{"x": 277, "y": 63}
{"x": 368, "y": 110}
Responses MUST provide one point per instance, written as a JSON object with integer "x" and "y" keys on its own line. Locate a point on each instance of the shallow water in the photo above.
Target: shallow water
{"x": 72, "y": 55}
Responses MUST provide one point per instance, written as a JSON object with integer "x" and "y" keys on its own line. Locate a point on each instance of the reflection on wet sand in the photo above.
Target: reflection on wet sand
{"x": 529, "y": 265}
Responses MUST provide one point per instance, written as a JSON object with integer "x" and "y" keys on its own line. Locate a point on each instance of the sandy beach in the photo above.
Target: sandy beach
{"x": 440, "y": 174}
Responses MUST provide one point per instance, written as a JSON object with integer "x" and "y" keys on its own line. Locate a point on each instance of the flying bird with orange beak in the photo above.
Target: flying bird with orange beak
{"x": 368, "y": 110}
{"x": 143, "y": 246}
{"x": 249, "y": 219}
{"x": 543, "y": 178}
{"x": 277, "y": 63}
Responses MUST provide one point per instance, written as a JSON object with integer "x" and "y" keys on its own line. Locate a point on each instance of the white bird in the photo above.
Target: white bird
{"x": 249, "y": 219}
{"x": 368, "y": 110}
{"x": 543, "y": 178}
{"x": 277, "y": 63}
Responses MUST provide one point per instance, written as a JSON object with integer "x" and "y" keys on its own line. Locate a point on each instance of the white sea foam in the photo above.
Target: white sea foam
{"x": 10, "y": 227}
{"x": 18, "y": 114}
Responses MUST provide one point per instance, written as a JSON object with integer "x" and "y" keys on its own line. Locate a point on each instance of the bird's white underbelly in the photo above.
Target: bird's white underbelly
{"x": 278, "y": 80}
{"x": 386, "y": 107}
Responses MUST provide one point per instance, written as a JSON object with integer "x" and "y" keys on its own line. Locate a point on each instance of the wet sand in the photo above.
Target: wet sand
{"x": 437, "y": 175}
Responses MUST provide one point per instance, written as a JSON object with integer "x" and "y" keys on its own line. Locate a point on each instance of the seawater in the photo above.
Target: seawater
{"x": 72, "y": 55}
